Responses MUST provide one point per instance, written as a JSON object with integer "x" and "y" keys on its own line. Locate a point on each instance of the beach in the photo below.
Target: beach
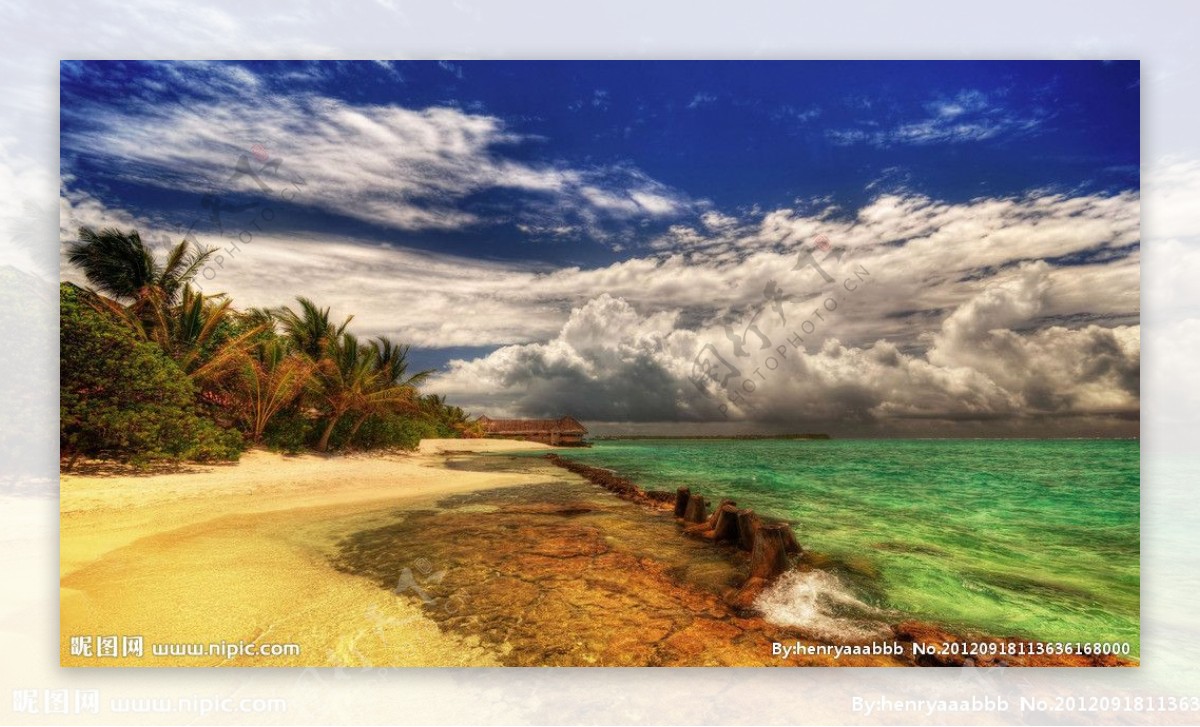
{"x": 305, "y": 550}
{"x": 234, "y": 553}
{"x": 449, "y": 556}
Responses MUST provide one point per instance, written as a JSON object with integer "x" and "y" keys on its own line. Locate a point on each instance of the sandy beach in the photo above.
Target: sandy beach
{"x": 236, "y": 553}
{"x": 315, "y": 551}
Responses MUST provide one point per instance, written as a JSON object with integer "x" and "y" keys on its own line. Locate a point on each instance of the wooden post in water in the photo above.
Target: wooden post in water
{"x": 725, "y": 523}
{"x": 704, "y": 528}
{"x": 769, "y": 558}
{"x": 712, "y": 520}
{"x": 789, "y": 541}
{"x": 768, "y": 561}
{"x": 697, "y": 509}
{"x": 748, "y": 525}
{"x": 681, "y": 501}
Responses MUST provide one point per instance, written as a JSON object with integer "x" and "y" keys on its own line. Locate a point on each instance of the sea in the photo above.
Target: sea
{"x": 1037, "y": 539}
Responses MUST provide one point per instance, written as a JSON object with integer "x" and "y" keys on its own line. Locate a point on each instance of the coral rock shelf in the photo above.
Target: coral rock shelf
{"x": 769, "y": 544}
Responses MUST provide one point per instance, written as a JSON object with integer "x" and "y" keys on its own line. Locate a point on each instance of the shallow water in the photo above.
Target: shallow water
{"x": 565, "y": 574}
{"x": 1031, "y": 538}
{"x": 560, "y": 574}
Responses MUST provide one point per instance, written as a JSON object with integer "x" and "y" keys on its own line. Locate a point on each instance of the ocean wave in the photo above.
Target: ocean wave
{"x": 822, "y": 606}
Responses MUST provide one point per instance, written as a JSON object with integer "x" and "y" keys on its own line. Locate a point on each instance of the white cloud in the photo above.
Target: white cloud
{"x": 803, "y": 115}
{"x": 963, "y": 320}
{"x": 924, "y": 255}
{"x": 611, "y": 363}
{"x": 964, "y": 102}
{"x": 410, "y": 169}
{"x": 453, "y": 69}
{"x": 959, "y": 315}
{"x": 715, "y": 221}
{"x": 607, "y": 362}
{"x": 968, "y": 116}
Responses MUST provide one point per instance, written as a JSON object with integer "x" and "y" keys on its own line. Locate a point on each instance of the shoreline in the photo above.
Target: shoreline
{"x": 277, "y": 549}
{"x": 237, "y": 553}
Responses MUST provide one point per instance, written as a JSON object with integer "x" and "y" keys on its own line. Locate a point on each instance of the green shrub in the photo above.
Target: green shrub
{"x": 122, "y": 398}
{"x": 383, "y": 431}
{"x": 290, "y": 433}
{"x": 218, "y": 443}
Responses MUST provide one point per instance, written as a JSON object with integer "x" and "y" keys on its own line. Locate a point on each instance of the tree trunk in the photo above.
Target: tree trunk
{"x": 707, "y": 528}
{"x": 357, "y": 424}
{"x": 712, "y": 519}
{"x": 681, "y": 501}
{"x": 323, "y": 444}
{"x": 259, "y": 424}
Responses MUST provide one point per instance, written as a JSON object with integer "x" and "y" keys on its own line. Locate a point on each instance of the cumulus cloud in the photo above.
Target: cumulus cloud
{"x": 611, "y": 363}
{"x": 608, "y": 362}
{"x": 993, "y": 312}
{"x": 925, "y": 259}
{"x": 1092, "y": 369}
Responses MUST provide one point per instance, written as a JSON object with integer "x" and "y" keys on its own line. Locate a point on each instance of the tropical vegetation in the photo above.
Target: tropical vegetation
{"x": 152, "y": 368}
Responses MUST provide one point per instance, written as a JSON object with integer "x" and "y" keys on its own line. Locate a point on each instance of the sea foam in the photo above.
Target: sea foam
{"x": 818, "y": 603}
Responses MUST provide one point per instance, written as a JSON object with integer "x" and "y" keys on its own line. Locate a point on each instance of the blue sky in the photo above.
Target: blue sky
{"x": 730, "y": 136}
{"x": 485, "y": 211}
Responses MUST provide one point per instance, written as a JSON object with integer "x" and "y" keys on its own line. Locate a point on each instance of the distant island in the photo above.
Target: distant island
{"x": 802, "y": 435}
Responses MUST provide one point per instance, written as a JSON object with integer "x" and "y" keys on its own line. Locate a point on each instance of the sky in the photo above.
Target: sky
{"x": 861, "y": 248}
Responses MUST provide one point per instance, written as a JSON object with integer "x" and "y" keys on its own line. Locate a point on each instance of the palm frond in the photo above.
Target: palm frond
{"x": 115, "y": 262}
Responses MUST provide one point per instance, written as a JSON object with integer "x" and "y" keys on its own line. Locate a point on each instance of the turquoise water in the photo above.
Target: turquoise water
{"x": 1032, "y": 538}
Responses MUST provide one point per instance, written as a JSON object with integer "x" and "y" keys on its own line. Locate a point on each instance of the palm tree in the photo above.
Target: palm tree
{"x": 120, "y": 265}
{"x": 191, "y": 336}
{"x": 391, "y": 360}
{"x": 341, "y": 381}
{"x": 190, "y": 332}
{"x": 269, "y": 379}
{"x": 433, "y": 405}
{"x": 390, "y": 387}
{"x": 310, "y": 331}
{"x": 452, "y": 418}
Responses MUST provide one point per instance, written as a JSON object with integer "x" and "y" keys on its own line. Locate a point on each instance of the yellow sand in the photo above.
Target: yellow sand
{"x": 235, "y": 553}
